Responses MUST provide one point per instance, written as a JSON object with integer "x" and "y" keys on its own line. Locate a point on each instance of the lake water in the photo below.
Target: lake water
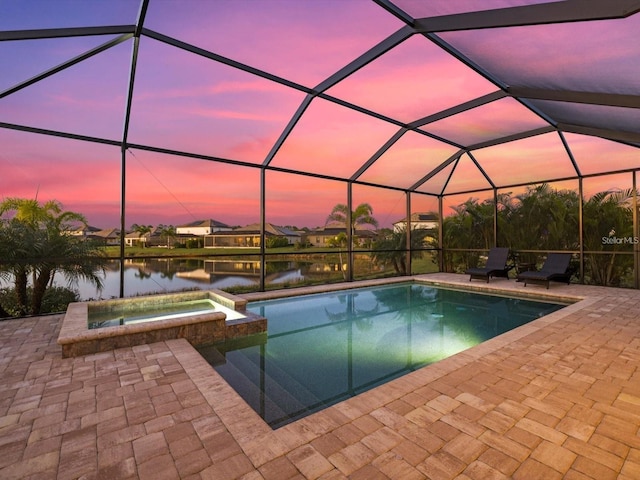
{"x": 163, "y": 275}
{"x": 160, "y": 275}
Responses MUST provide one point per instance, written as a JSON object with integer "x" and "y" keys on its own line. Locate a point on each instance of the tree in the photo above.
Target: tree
{"x": 608, "y": 227}
{"x": 167, "y": 232}
{"x": 542, "y": 218}
{"x": 141, "y": 230}
{"x": 362, "y": 215}
{"x": 15, "y": 244}
{"x": 392, "y": 248}
{"x": 470, "y": 227}
{"x": 35, "y": 242}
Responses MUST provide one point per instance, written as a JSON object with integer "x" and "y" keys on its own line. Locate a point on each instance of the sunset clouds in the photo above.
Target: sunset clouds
{"x": 194, "y": 105}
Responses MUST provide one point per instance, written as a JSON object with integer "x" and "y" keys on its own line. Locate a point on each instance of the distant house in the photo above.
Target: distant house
{"x": 249, "y": 236}
{"x": 83, "y": 231}
{"x": 325, "y": 236}
{"x": 202, "y": 227}
{"x": 151, "y": 239}
{"x": 419, "y": 221}
{"x": 110, "y": 236}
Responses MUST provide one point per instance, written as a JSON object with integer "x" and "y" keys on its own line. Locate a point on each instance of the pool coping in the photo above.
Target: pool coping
{"x": 77, "y": 339}
{"x": 262, "y": 444}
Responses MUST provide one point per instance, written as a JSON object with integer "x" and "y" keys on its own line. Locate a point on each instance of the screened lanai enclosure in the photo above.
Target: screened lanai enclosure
{"x": 270, "y": 143}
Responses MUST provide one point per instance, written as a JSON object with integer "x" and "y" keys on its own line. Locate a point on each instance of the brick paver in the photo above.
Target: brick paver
{"x": 558, "y": 398}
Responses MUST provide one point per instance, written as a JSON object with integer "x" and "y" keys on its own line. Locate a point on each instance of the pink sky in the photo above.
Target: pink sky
{"x": 189, "y": 103}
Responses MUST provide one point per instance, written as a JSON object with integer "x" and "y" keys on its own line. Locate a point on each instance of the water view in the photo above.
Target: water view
{"x": 162, "y": 275}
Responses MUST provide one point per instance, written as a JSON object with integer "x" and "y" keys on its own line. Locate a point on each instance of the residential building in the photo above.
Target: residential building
{"x": 249, "y": 236}
{"x": 110, "y": 236}
{"x": 327, "y": 235}
{"x": 151, "y": 239}
{"x": 202, "y": 227}
{"x": 419, "y": 221}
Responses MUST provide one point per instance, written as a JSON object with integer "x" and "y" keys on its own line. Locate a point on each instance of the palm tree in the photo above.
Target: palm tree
{"x": 470, "y": 227}
{"x": 542, "y": 218}
{"x": 392, "y": 249}
{"x": 362, "y": 215}
{"x": 15, "y": 244}
{"x": 609, "y": 215}
{"x": 34, "y": 240}
{"x": 141, "y": 230}
{"x": 168, "y": 232}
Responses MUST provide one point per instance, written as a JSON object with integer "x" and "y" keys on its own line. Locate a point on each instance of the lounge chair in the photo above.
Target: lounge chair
{"x": 556, "y": 267}
{"x": 496, "y": 266}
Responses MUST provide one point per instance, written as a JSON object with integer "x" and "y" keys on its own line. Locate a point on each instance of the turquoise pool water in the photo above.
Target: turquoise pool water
{"x": 322, "y": 349}
{"x": 119, "y": 315}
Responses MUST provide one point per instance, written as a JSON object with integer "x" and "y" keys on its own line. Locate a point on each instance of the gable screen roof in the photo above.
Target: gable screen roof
{"x": 416, "y": 91}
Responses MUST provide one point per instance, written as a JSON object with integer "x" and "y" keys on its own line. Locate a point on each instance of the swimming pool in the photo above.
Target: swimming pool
{"x": 324, "y": 348}
{"x": 113, "y": 316}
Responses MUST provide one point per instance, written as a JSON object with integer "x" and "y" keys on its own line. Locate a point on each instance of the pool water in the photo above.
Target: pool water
{"x": 151, "y": 313}
{"x": 324, "y": 348}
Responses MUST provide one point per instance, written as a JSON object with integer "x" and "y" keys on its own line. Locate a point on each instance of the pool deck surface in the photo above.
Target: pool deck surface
{"x": 556, "y": 398}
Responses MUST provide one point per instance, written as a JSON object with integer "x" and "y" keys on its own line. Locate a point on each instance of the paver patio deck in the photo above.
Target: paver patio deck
{"x": 556, "y": 398}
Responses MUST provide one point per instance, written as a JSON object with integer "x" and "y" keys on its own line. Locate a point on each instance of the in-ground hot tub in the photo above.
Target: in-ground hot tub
{"x": 202, "y": 317}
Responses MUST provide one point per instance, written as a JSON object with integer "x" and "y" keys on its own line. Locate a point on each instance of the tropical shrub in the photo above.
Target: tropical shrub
{"x": 55, "y": 300}
{"x": 544, "y": 219}
{"x": 392, "y": 249}
{"x": 35, "y": 246}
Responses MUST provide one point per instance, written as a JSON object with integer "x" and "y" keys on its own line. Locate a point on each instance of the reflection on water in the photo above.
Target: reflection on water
{"x": 156, "y": 275}
{"x": 322, "y": 349}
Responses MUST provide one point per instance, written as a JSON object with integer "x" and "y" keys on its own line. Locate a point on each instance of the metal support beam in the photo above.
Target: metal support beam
{"x": 263, "y": 223}
{"x": 437, "y": 170}
{"x": 495, "y": 217}
{"x": 65, "y": 65}
{"x": 589, "y": 98}
{"x": 287, "y": 130}
{"x": 219, "y": 58}
{"x": 636, "y": 232}
{"x": 395, "y": 11}
{"x": 56, "y": 133}
{"x": 511, "y": 138}
{"x": 369, "y": 56}
{"x": 45, "y": 33}
{"x": 123, "y": 228}
{"x": 350, "y": 236}
{"x": 440, "y": 234}
{"x": 570, "y": 154}
{"x": 389, "y": 143}
{"x": 619, "y": 135}
{"x": 479, "y": 167}
{"x": 408, "y": 230}
{"x": 581, "y": 227}
{"x": 463, "y": 107}
{"x": 132, "y": 77}
{"x": 537, "y": 14}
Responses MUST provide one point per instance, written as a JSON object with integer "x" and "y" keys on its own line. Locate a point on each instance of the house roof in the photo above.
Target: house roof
{"x": 254, "y": 229}
{"x": 108, "y": 233}
{"x": 419, "y": 217}
{"x": 204, "y": 223}
{"x": 155, "y": 232}
{"x": 85, "y": 229}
